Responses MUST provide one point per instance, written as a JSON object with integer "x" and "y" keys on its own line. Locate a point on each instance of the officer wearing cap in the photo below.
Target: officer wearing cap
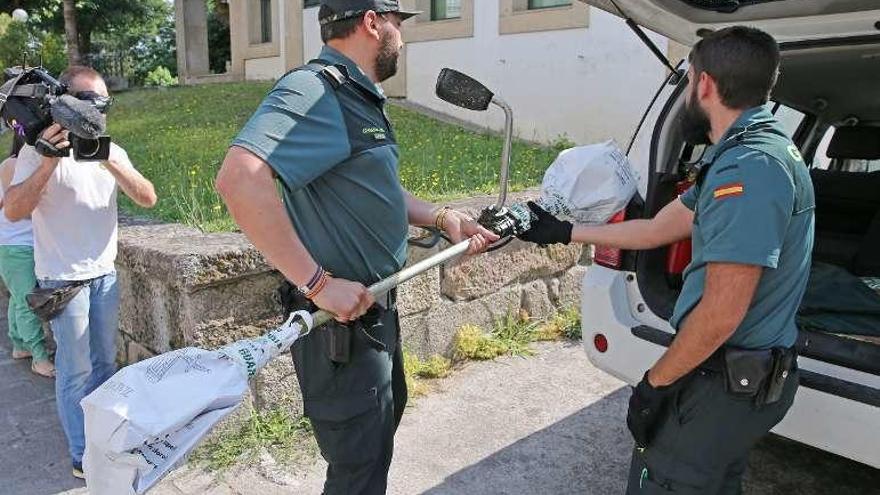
{"x": 730, "y": 374}
{"x": 341, "y": 225}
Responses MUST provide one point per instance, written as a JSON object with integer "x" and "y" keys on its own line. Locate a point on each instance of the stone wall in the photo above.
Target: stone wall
{"x": 181, "y": 287}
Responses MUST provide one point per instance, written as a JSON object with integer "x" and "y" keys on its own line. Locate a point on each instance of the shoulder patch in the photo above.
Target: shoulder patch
{"x": 795, "y": 153}
{"x": 728, "y": 190}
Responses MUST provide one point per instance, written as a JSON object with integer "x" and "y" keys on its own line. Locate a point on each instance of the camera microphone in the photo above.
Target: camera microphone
{"x": 79, "y": 117}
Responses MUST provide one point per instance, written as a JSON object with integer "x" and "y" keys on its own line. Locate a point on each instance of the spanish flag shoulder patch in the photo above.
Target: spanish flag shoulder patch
{"x": 729, "y": 190}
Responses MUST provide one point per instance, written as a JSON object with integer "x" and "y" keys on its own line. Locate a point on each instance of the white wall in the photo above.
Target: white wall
{"x": 311, "y": 34}
{"x": 262, "y": 69}
{"x": 589, "y": 84}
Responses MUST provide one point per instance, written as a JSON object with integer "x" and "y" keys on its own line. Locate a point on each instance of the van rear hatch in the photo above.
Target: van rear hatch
{"x": 787, "y": 20}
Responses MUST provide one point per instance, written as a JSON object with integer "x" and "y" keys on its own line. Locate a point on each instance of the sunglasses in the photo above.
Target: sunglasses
{"x": 102, "y": 103}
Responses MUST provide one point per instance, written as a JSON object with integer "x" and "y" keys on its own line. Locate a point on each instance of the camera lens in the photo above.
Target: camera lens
{"x": 87, "y": 148}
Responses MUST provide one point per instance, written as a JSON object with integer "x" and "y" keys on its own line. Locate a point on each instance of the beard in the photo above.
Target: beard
{"x": 386, "y": 60}
{"x": 694, "y": 122}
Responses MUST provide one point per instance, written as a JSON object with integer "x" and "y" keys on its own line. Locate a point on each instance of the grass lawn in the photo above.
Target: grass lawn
{"x": 177, "y": 138}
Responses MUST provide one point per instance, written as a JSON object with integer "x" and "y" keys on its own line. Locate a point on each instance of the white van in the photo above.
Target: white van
{"x": 828, "y": 97}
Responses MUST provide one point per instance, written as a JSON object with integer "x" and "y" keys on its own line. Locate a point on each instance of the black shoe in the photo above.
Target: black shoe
{"x": 78, "y": 471}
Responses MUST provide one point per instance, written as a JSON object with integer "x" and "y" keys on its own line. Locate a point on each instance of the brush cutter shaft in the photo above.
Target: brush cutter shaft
{"x": 383, "y": 286}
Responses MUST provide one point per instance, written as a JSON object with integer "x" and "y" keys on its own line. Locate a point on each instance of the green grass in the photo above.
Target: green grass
{"x": 565, "y": 324}
{"x": 286, "y": 437}
{"x": 513, "y": 335}
{"x": 177, "y": 137}
{"x": 418, "y": 371}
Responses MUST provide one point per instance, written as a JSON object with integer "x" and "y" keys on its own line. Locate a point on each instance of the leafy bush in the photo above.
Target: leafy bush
{"x": 160, "y": 77}
{"x": 472, "y": 343}
{"x": 19, "y": 44}
{"x": 14, "y": 42}
{"x": 153, "y": 52}
{"x": 54, "y": 54}
{"x": 416, "y": 370}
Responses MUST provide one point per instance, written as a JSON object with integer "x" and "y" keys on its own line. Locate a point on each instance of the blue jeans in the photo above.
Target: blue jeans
{"x": 86, "y": 356}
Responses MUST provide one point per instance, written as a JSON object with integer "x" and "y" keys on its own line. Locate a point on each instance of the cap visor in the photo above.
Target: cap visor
{"x": 405, "y": 14}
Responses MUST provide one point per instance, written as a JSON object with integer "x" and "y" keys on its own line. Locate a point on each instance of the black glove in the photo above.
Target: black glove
{"x": 646, "y": 407}
{"x": 49, "y": 150}
{"x": 545, "y": 228}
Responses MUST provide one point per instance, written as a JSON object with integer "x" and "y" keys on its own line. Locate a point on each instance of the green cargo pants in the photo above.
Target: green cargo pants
{"x": 25, "y": 329}
{"x": 703, "y": 443}
{"x": 354, "y": 408}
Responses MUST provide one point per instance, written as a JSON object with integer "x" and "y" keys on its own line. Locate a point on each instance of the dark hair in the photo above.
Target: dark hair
{"x": 744, "y": 62}
{"x": 73, "y": 72}
{"x": 338, "y": 29}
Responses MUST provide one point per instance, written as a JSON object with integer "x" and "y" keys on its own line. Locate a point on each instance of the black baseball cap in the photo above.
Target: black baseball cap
{"x": 346, "y": 9}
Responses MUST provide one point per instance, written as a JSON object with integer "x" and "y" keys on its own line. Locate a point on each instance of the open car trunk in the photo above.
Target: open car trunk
{"x": 787, "y": 20}
{"x": 835, "y": 120}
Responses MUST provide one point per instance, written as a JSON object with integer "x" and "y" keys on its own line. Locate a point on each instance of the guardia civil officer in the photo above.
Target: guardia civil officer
{"x": 730, "y": 374}
{"x": 341, "y": 225}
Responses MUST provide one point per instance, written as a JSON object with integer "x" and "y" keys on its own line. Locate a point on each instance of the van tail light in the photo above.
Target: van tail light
{"x": 607, "y": 256}
{"x": 678, "y": 257}
{"x": 600, "y": 342}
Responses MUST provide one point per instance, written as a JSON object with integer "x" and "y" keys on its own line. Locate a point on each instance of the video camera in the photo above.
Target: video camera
{"x": 31, "y": 100}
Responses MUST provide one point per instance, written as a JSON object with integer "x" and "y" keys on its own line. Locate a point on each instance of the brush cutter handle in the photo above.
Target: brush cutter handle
{"x": 383, "y": 286}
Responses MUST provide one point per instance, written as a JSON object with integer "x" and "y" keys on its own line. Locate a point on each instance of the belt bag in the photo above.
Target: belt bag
{"x": 47, "y": 303}
{"x": 757, "y": 373}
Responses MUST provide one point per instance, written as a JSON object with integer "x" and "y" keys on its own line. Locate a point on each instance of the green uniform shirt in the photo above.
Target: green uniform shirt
{"x": 753, "y": 205}
{"x": 335, "y": 154}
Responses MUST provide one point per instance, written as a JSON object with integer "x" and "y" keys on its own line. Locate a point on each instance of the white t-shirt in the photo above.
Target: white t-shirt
{"x": 75, "y": 222}
{"x": 15, "y": 233}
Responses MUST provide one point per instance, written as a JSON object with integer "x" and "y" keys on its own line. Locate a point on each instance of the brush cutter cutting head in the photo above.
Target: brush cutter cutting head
{"x": 463, "y": 91}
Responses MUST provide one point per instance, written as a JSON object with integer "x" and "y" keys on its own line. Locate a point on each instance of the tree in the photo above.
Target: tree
{"x": 121, "y": 20}
{"x": 21, "y": 44}
{"x": 70, "y": 29}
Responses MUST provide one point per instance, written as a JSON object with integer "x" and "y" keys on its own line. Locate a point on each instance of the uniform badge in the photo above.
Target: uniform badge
{"x": 728, "y": 190}
{"x": 795, "y": 153}
{"x": 377, "y": 132}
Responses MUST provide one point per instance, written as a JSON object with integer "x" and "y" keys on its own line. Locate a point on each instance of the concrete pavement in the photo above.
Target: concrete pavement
{"x": 547, "y": 424}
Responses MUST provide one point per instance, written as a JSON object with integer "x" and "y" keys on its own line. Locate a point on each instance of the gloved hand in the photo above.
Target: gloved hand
{"x": 646, "y": 407}
{"x": 53, "y": 142}
{"x": 546, "y": 229}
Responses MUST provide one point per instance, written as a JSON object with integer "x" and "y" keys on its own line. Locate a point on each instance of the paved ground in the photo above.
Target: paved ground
{"x": 547, "y": 424}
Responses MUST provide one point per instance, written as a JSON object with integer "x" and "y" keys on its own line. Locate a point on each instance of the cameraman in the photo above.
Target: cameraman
{"x": 73, "y": 207}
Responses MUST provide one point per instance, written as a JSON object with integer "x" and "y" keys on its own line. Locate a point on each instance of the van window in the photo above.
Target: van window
{"x": 788, "y": 117}
{"x": 821, "y": 160}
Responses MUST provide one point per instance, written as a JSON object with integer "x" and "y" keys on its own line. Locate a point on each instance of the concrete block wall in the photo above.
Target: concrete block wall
{"x": 181, "y": 287}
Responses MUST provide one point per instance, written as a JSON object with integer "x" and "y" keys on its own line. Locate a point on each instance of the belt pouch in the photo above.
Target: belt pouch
{"x": 746, "y": 370}
{"x": 783, "y": 361}
{"x": 338, "y": 342}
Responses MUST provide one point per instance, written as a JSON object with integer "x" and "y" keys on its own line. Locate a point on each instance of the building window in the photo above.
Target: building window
{"x": 260, "y": 13}
{"x": 544, "y": 4}
{"x": 529, "y": 16}
{"x": 440, "y": 20}
{"x": 445, "y": 9}
{"x": 311, "y": 3}
{"x": 266, "y": 21}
